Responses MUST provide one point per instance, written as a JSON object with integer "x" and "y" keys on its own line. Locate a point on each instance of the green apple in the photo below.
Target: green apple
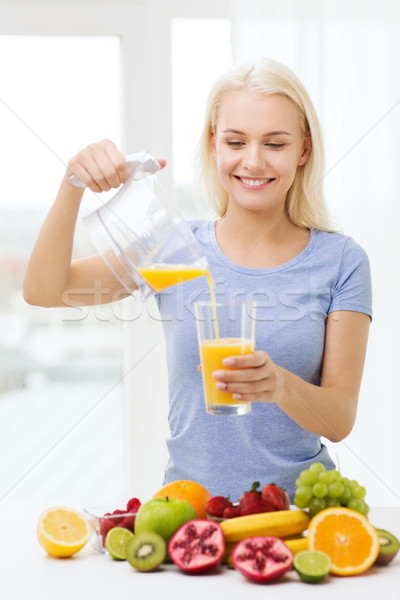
{"x": 163, "y": 516}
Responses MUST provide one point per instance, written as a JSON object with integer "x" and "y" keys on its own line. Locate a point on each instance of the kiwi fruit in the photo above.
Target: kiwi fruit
{"x": 389, "y": 547}
{"x": 146, "y": 551}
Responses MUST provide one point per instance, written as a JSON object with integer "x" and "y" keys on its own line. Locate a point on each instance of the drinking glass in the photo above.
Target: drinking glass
{"x": 224, "y": 329}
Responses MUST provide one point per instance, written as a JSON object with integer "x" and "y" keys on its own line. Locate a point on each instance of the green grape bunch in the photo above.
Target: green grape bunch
{"x": 317, "y": 488}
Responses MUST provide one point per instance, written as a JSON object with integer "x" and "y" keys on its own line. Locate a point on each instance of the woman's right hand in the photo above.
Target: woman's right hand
{"x": 101, "y": 166}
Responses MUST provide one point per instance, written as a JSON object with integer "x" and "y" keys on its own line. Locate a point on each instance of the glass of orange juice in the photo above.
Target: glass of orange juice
{"x": 224, "y": 329}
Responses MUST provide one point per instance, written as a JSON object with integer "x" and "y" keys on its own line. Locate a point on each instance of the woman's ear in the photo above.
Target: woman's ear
{"x": 307, "y": 146}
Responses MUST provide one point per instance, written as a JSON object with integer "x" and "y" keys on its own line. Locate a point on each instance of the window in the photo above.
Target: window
{"x": 60, "y": 368}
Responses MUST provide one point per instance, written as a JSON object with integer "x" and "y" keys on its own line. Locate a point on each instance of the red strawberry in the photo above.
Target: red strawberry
{"x": 133, "y": 505}
{"x": 104, "y": 526}
{"x": 251, "y": 509}
{"x": 128, "y": 523}
{"x": 116, "y": 520}
{"x": 258, "y": 507}
{"x": 249, "y": 498}
{"x": 277, "y": 496}
{"x": 215, "y": 506}
{"x": 231, "y": 512}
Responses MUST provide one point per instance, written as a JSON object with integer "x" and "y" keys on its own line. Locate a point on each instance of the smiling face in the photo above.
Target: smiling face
{"x": 258, "y": 145}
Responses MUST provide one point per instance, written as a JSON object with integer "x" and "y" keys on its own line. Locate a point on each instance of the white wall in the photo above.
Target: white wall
{"x": 348, "y": 56}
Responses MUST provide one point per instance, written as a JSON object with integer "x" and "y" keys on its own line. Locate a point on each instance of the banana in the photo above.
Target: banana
{"x": 281, "y": 523}
{"x": 296, "y": 545}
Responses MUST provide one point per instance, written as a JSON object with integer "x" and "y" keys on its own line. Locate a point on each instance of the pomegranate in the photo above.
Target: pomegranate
{"x": 197, "y": 546}
{"x": 263, "y": 558}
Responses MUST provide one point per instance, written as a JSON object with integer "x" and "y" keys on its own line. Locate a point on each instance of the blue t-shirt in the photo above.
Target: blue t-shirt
{"x": 226, "y": 454}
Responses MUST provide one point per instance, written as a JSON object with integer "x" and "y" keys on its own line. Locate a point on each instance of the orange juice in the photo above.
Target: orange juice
{"x": 161, "y": 275}
{"x": 212, "y": 352}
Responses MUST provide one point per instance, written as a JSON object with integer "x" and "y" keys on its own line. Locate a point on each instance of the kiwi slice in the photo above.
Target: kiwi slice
{"x": 146, "y": 551}
{"x": 389, "y": 547}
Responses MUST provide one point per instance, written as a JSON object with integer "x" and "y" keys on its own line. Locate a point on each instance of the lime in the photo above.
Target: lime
{"x": 312, "y": 565}
{"x": 116, "y": 542}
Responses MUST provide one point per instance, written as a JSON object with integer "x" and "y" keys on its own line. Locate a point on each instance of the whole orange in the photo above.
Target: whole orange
{"x": 190, "y": 491}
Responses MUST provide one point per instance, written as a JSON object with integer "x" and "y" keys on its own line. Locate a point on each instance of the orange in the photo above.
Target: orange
{"x": 62, "y": 531}
{"x": 190, "y": 491}
{"x": 348, "y": 538}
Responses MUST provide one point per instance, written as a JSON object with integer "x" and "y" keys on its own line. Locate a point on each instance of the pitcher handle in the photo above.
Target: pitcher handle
{"x": 140, "y": 164}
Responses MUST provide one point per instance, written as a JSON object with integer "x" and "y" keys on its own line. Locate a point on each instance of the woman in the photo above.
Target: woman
{"x": 261, "y": 160}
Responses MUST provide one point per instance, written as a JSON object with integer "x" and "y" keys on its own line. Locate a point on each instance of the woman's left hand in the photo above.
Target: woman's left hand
{"x": 250, "y": 377}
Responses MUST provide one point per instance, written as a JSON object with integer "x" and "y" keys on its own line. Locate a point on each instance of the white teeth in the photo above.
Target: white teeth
{"x": 254, "y": 182}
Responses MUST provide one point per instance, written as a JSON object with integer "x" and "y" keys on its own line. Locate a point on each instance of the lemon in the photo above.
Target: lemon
{"x": 62, "y": 531}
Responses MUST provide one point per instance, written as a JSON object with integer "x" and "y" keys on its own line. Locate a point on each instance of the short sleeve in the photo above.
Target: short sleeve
{"x": 353, "y": 288}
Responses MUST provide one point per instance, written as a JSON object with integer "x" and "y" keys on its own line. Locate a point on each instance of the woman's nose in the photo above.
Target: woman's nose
{"x": 253, "y": 158}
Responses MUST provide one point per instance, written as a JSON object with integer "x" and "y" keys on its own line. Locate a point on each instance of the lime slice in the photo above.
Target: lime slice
{"x": 312, "y": 565}
{"x": 116, "y": 541}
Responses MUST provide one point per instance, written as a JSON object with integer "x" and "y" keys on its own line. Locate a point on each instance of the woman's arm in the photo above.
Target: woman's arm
{"x": 51, "y": 278}
{"x": 329, "y": 409}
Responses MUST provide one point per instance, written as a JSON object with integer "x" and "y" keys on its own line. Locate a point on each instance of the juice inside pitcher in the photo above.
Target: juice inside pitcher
{"x": 162, "y": 275}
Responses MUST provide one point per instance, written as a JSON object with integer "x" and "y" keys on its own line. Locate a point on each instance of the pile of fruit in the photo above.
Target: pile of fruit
{"x": 253, "y": 502}
{"x": 119, "y": 518}
{"x": 260, "y": 536}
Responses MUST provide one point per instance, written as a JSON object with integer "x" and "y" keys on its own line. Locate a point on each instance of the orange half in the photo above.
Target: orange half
{"x": 348, "y": 538}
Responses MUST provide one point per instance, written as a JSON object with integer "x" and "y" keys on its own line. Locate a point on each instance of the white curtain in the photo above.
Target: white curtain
{"x": 348, "y": 56}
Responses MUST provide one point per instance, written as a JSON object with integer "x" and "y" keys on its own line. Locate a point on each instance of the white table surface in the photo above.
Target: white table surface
{"x": 26, "y": 572}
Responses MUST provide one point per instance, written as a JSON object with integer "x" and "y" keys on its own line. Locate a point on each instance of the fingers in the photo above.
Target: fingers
{"x": 249, "y": 377}
{"x": 257, "y": 387}
{"x": 247, "y": 367}
{"x": 161, "y": 162}
{"x": 247, "y": 361}
{"x": 100, "y": 166}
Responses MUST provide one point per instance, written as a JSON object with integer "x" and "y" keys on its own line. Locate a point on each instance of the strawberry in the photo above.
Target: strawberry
{"x": 250, "y": 498}
{"x": 128, "y": 523}
{"x": 116, "y": 520}
{"x": 215, "y": 506}
{"x": 104, "y": 526}
{"x": 257, "y": 507}
{"x": 277, "y": 496}
{"x": 231, "y": 511}
{"x": 133, "y": 505}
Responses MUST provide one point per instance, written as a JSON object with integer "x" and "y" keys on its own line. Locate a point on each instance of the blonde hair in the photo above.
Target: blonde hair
{"x": 305, "y": 203}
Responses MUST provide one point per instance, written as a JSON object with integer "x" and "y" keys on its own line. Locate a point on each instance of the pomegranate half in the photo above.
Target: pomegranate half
{"x": 262, "y": 558}
{"x": 197, "y": 546}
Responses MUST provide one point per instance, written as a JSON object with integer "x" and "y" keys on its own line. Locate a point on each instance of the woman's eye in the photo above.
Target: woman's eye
{"x": 271, "y": 145}
{"x": 234, "y": 143}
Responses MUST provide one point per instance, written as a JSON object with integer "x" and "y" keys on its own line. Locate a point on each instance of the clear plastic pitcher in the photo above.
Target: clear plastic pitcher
{"x": 141, "y": 236}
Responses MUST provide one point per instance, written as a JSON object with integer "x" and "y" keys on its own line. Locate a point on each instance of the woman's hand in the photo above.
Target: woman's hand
{"x": 250, "y": 377}
{"x": 101, "y": 166}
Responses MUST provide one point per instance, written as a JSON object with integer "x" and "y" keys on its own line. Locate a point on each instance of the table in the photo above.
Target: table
{"x": 26, "y": 572}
